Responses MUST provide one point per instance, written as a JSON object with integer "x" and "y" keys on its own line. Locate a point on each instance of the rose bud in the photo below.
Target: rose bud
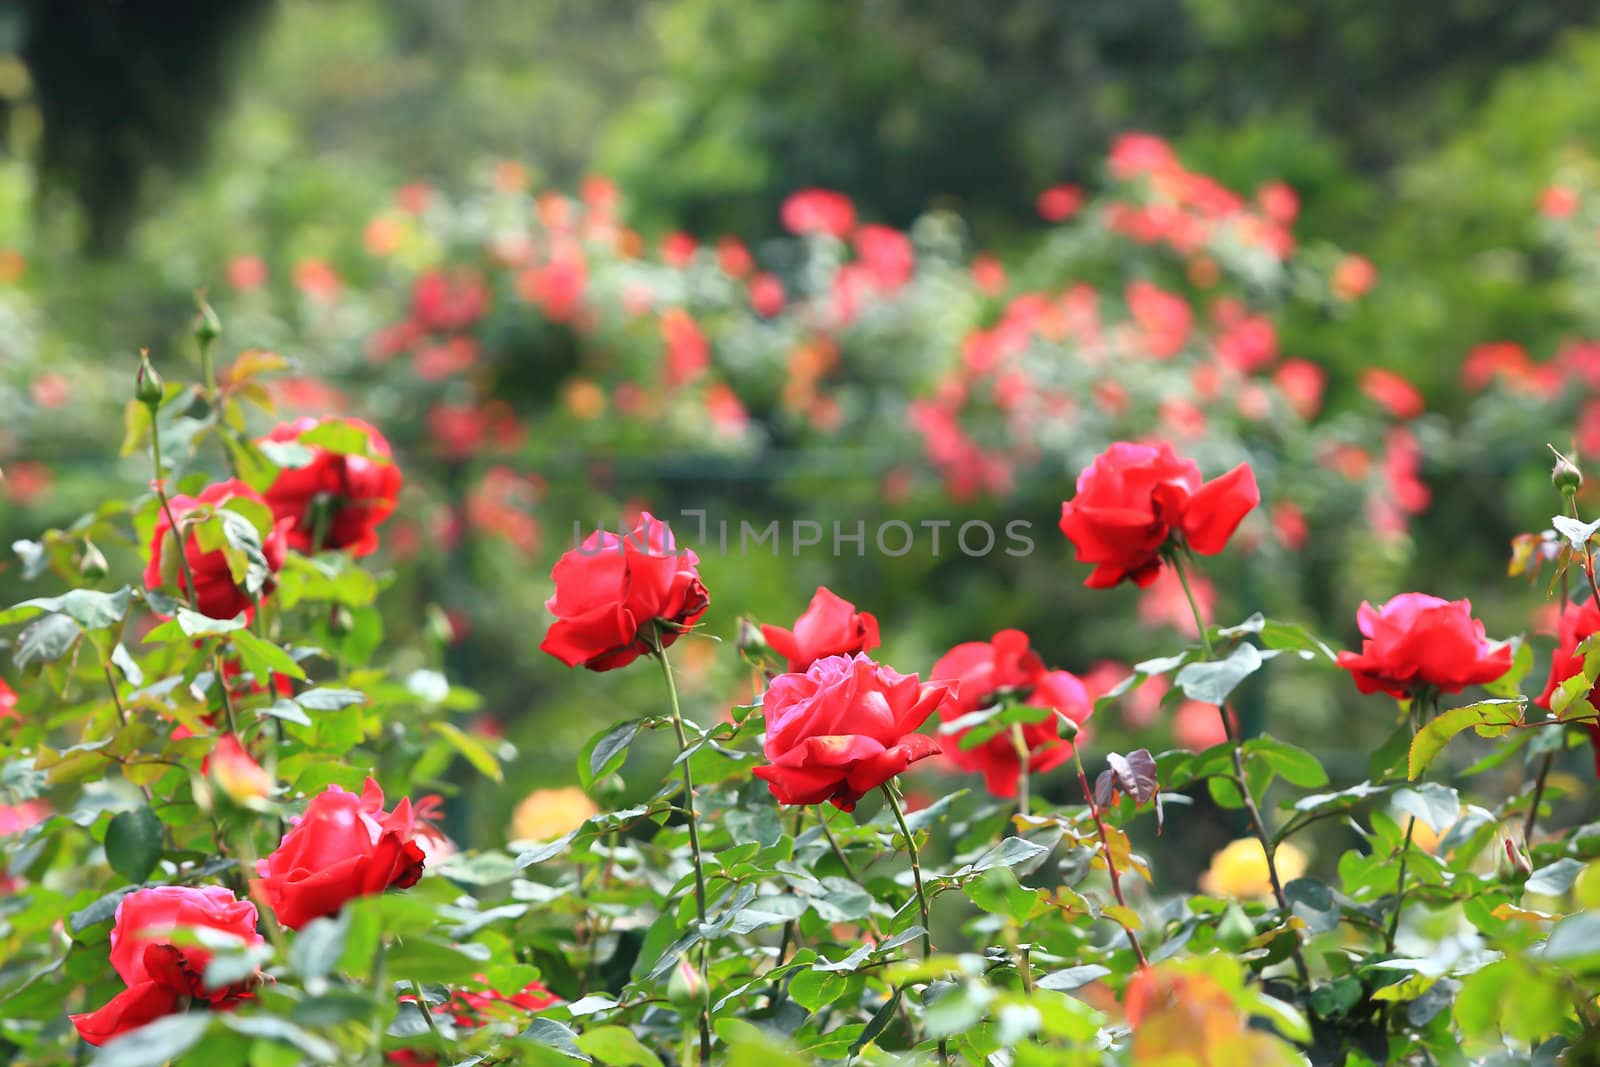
{"x": 240, "y": 777}
{"x": 148, "y": 388}
{"x": 1566, "y": 476}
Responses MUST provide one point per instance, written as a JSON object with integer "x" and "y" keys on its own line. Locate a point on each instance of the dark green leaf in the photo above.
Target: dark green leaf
{"x": 1293, "y": 764}
{"x": 133, "y": 843}
{"x": 606, "y": 751}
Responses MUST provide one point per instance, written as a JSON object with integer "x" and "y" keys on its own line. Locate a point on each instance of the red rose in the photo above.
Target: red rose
{"x": 344, "y": 846}
{"x": 1134, "y": 499}
{"x": 216, "y": 594}
{"x": 613, "y": 587}
{"x": 1566, "y": 662}
{"x": 1418, "y": 640}
{"x": 988, "y": 672}
{"x": 335, "y": 501}
{"x": 843, "y": 728}
{"x": 818, "y": 211}
{"x": 830, "y": 626}
{"x": 162, "y": 977}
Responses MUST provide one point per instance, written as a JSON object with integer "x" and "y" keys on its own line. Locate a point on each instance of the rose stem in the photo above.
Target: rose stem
{"x": 694, "y": 838}
{"x": 1257, "y": 824}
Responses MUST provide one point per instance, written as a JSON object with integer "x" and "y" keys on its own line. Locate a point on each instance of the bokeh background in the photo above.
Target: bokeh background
{"x": 570, "y": 257}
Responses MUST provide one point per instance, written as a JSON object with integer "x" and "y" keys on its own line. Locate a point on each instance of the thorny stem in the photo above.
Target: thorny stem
{"x": 1105, "y": 850}
{"x": 1257, "y": 825}
{"x": 790, "y": 927}
{"x": 916, "y": 880}
{"x": 694, "y": 838}
{"x": 427, "y": 1017}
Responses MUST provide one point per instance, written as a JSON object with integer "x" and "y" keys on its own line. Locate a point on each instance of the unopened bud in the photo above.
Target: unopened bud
{"x": 235, "y": 773}
{"x": 748, "y": 640}
{"x": 148, "y": 388}
{"x": 1519, "y": 861}
{"x": 92, "y": 562}
{"x": 207, "y": 327}
{"x": 1566, "y": 476}
{"x": 686, "y": 988}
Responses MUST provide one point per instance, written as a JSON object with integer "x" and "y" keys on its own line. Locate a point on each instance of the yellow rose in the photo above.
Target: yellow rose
{"x": 547, "y": 813}
{"x": 1239, "y": 872}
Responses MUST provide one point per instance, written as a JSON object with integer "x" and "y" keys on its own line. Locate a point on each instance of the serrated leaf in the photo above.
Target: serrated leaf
{"x": 1437, "y": 732}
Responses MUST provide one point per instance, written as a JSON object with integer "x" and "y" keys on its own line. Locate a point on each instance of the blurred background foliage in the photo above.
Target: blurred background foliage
{"x": 146, "y": 149}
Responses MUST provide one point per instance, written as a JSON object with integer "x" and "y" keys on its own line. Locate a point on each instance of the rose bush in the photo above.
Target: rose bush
{"x": 838, "y": 862}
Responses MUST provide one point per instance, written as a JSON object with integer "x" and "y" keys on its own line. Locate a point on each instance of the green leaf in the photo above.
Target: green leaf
{"x": 288, "y": 711}
{"x": 1555, "y": 879}
{"x": 321, "y": 699}
{"x": 553, "y": 1035}
{"x": 815, "y": 990}
{"x": 999, "y": 893}
{"x": 1065, "y": 981}
{"x": 338, "y": 436}
{"x": 318, "y": 946}
{"x": 133, "y": 843}
{"x": 1295, "y": 765}
{"x": 1437, "y": 805}
{"x": 123, "y": 660}
{"x": 263, "y": 659}
{"x": 91, "y": 609}
{"x": 1575, "y": 941}
{"x": 268, "y": 1028}
{"x": 606, "y": 751}
{"x": 1212, "y": 682}
{"x": 470, "y": 748}
{"x": 1392, "y": 753}
{"x": 617, "y": 1047}
{"x": 45, "y": 641}
{"x": 1437, "y": 732}
{"x": 156, "y": 1043}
